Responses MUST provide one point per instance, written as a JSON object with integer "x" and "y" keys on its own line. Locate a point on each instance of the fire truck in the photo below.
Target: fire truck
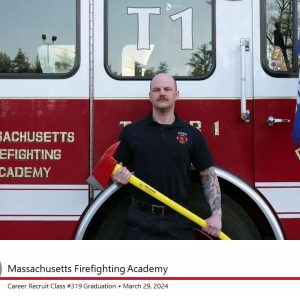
{"x": 73, "y": 73}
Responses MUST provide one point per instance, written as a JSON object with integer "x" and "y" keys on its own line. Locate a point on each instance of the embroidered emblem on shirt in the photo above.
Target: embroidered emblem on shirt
{"x": 182, "y": 137}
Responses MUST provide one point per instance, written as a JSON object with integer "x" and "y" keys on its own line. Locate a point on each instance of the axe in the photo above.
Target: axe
{"x": 107, "y": 165}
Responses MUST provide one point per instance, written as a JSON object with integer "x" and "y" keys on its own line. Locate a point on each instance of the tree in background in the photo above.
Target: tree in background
{"x": 20, "y": 63}
{"x": 5, "y": 63}
{"x": 201, "y": 61}
{"x": 37, "y": 68}
{"x": 163, "y": 67}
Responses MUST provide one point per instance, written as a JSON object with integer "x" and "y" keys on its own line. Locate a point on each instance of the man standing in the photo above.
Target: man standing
{"x": 162, "y": 148}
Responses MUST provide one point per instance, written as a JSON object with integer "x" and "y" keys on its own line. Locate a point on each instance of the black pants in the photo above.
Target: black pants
{"x": 157, "y": 222}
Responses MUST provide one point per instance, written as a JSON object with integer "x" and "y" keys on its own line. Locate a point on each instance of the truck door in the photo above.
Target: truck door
{"x": 275, "y": 68}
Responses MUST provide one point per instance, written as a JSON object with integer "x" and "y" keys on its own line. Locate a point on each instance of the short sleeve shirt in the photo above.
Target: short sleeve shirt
{"x": 161, "y": 156}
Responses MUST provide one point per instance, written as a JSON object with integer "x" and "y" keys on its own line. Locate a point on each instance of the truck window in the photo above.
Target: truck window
{"x": 144, "y": 37}
{"x": 38, "y": 38}
{"x": 280, "y": 37}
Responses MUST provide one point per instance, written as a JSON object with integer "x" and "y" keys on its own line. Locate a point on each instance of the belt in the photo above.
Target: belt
{"x": 158, "y": 210}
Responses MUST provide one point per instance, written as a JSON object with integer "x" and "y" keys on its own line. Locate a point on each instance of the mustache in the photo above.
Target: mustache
{"x": 163, "y": 98}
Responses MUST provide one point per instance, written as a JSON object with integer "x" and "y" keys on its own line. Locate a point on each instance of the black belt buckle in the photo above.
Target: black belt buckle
{"x": 158, "y": 210}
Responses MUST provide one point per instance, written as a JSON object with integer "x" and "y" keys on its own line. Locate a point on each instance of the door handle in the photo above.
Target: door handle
{"x": 271, "y": 121}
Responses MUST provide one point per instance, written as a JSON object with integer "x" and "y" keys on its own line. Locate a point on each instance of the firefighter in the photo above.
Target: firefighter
{"x": 162, "y": 148}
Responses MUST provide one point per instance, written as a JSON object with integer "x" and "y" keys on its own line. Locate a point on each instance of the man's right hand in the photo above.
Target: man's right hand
{"x": 122, "y": 176}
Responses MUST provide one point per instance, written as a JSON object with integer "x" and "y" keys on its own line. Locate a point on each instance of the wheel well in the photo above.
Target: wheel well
{"x": 109, "y": 221}
{"x": 249, "y": 206}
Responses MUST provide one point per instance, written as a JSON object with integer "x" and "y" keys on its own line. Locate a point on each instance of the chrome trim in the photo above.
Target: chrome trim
{"x": 256, "y": 198}
{"x": 99, "y": 200}
{"x": 91, "y": 92}
{"x": 244, "y": 47}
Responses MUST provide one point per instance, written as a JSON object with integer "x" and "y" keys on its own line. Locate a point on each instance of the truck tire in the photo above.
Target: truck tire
{"x": 237, "y": 223}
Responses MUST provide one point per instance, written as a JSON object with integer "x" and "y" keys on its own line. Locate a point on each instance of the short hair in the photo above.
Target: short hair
{"x": 175, "y": 83}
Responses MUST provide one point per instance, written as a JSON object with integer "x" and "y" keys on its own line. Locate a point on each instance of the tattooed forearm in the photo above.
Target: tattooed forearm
{"x": 211, "y": 188}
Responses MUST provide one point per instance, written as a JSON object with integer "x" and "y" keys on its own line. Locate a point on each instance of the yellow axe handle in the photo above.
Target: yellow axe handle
{"x": 169, "y": 202}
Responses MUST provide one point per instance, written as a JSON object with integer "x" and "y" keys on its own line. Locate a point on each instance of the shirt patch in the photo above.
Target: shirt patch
{"x": 182, "y": 137}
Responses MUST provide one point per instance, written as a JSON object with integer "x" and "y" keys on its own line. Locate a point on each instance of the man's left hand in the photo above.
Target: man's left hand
{"x": 214, "y": 225}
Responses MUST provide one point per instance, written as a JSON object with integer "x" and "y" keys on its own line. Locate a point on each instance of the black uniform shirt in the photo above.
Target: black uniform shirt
{"x": 162, "y": 155}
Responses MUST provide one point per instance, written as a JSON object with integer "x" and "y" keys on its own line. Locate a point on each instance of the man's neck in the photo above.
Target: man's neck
{"x": 163, "y": 118}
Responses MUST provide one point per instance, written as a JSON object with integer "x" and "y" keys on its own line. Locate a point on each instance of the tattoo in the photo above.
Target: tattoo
{"x": 212, "y": 190}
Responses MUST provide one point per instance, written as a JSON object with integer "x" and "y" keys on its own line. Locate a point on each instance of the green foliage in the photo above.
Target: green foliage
{"x": 201, "y": 61}
{"x": 5, "y": 63}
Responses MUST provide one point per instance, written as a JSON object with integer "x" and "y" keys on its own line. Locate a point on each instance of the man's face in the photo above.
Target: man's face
{"x": 163, "y": 92}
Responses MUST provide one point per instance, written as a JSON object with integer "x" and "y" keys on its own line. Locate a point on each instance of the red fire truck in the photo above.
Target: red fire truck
{"x": 72, "y": 73}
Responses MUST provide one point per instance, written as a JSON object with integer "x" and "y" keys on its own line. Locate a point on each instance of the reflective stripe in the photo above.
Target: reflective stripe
{"x": 50, "y": 202}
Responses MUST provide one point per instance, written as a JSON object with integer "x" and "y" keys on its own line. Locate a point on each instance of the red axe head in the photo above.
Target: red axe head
{"x": 101, "y": 175}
